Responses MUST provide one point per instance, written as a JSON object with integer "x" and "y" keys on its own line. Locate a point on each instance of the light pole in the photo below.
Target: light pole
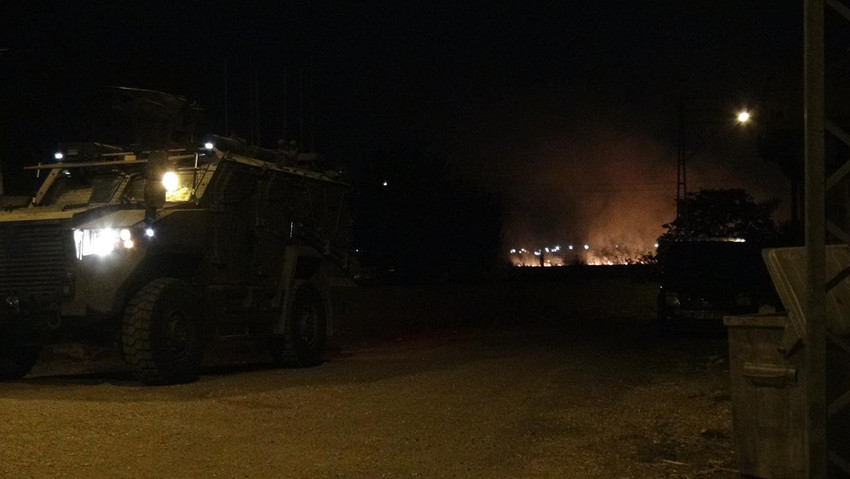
{"x": 742, "y": 117}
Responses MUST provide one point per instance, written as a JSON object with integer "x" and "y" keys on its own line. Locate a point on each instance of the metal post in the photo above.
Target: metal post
{"x": 681, "y": 173}
{"x": 226, "y": 126}
{"x": 815, "y": 309}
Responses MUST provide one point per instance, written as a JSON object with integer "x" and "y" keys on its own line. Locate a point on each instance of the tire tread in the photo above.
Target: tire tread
{"x": 136, "y": 336}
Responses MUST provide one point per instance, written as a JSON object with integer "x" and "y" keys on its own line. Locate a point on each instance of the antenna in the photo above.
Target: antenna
{"x": 257, "y": 103}
{"x": 285, "y": 138}
{"x": 250, "y": 101}
{"x": 226, "y": 129}
{"x": 312, "y": 103}
{"x": 301, "y": 106}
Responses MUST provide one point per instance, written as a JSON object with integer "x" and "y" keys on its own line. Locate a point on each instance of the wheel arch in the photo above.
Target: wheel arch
{"x": 303, "y": 264}
{"x": 178, "y": 266}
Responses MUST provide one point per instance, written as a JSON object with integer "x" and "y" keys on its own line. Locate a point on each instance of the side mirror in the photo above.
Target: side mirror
{"x": 157, "y": 165}
{"x": 154, "y": 194}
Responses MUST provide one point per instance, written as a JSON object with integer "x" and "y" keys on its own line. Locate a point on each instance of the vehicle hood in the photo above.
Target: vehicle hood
{"x": 111, "y": 219}
{"x": 36, "y": 213}
{"x": 106, "y": 216}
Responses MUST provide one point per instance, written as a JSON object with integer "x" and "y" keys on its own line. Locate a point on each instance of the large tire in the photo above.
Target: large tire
{"x": 304, "y": 342}
{"x": 161, "y": 336}
{"x": 17, "y": 356}
{"x": 664, "y": 325}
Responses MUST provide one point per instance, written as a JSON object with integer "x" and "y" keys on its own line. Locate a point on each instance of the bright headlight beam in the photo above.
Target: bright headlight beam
{"x": 102, "y": 242}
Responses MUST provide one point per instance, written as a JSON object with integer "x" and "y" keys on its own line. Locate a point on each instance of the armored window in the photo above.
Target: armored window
{"x": 188, "y": 182}
{"x": 76, "y": 188}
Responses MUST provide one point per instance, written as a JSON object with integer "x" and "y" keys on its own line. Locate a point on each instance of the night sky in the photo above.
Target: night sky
{"x": 567, "y": 109}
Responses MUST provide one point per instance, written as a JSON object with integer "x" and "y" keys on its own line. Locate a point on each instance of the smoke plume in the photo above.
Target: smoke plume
{"x": 611, "y": 190}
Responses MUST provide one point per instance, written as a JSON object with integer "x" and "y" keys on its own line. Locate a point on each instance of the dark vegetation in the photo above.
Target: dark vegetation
{"x": 729, "y": 213}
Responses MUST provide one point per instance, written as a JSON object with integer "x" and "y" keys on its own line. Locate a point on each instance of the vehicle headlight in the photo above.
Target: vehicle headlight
{"x": 102, "y": 241}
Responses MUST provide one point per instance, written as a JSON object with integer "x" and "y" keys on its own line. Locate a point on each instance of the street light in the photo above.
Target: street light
{"x": 742, "y": 117}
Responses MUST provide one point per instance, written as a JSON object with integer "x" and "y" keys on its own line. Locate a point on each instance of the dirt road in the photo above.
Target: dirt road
{"x": 600, "y": 398}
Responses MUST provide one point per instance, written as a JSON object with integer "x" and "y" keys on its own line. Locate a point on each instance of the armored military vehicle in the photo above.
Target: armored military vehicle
{"x": 164, "y": 250}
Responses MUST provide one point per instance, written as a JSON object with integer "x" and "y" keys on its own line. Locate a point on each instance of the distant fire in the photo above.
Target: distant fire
{"x": 580, "y": 254}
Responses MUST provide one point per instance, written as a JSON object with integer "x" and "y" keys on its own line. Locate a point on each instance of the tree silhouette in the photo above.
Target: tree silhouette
{"x": 723, "y": 213}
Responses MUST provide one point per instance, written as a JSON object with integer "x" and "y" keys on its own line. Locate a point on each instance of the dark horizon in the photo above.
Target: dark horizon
{"x": 568, "y": 112}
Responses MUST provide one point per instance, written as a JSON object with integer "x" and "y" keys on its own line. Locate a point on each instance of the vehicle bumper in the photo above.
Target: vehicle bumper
{"x": 20, "y": 309}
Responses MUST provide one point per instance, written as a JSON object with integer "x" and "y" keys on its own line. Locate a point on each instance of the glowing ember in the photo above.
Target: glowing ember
{"x": 616, "y": 254}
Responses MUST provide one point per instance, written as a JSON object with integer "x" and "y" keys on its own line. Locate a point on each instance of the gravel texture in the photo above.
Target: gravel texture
{"x": 567, "y": 395}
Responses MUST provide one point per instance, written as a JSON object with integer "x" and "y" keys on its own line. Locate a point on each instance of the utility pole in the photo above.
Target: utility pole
{"x": 742, "y": 117}
{"x": 821, "y": 408}
{"x": 815, "y": 234}
{"x": 681, "y": 171}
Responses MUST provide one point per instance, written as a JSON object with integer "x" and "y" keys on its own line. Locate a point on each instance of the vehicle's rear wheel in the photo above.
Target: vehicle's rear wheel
{"x": 663, "y": 322}
{"x": 18, "y": 354}
{"x": 303, "y": 344}
{"x": 161, "y": 336}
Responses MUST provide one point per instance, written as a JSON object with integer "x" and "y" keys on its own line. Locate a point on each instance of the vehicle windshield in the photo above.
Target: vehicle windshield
{"x": 188, "y": 182}
{"x": 80, "y": 187}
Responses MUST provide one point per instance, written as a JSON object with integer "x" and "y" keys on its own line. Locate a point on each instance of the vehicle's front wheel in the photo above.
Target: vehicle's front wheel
{"x": 18, "y": 354}
{"x": 303, "y": 344}
{"x": 161, "y": 336}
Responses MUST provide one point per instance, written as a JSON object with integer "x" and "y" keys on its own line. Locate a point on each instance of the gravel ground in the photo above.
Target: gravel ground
{"x": 507, "y": 396}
